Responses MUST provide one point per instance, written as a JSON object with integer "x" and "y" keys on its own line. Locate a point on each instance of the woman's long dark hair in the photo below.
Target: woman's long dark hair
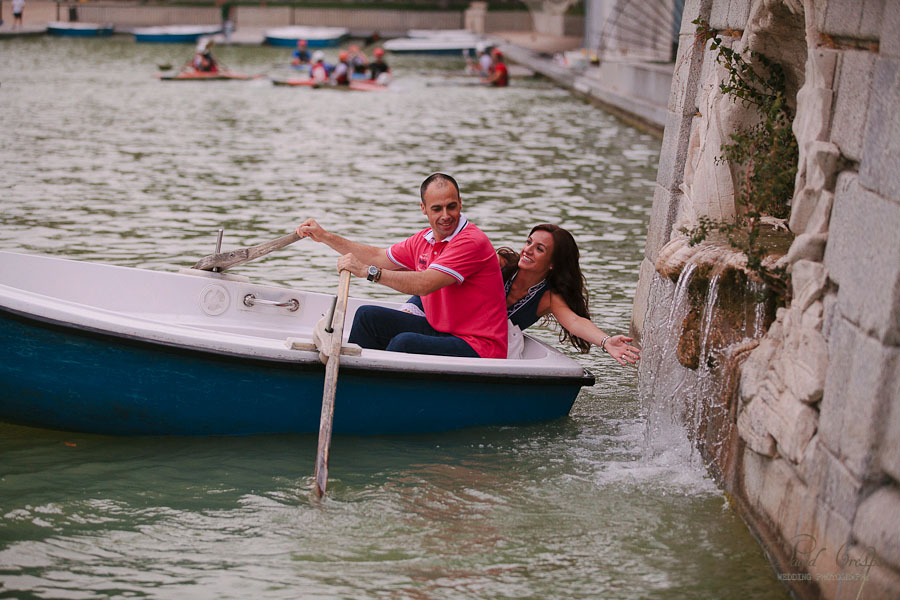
{"x": 565, "y": 277}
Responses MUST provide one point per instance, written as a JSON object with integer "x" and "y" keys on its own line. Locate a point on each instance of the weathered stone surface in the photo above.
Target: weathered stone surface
{"x": 817, "y": 175}
{"x": 641, "y": 300}
{"x": 672, "y": 155}
{"x": 806, "y": 364}
{"x": 863, "y": 248}
{"x": 835, "y": 485}
{"x": 718, "y": 15}
{"x": 808, "y": 279}
{"x": 779, "y": 488}
{"x": 694, "y": 9}
{"x": 688, "y": 65}
{"x": 850, "y": 18}
{"x": 877, "y": 524}
{"x": 882, "y": 582}
{"x": 755, "y": 368}
{"x": 889, "y": 44}
{"x": 889, "y": 451}
{"x": 738, "y": 13}
{"x": 856, "y": 397}
{"x": 752, "y": 427}
{"x": 813, "y": 120}
{"x": 851, "y": 101}
{"x": 807, "y": 246}
{"x": 662, "y": 216}
{"x": 881, "y": 149}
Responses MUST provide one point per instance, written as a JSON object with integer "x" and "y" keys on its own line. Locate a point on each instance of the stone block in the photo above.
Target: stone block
{"x": 813, "y": 120}
{"x": 672, "y": 155}
{"x": 820, "y": 534}
{"x": 738, "y": 14}
{"x": 641, "y": 300}
{"x": 805, "y": 365}
{"x": 889, "y": 44}
{"x": 694, "y": 9}
{"x": 851, "y": 101}
{"x": 833, "y": 482}
{"x": 862, "y": 257}
{"x": 877, "y": 524}
{"x": 881, "y": 146}
{"x": 752, "y": 427}
{"x": 807, "y": 246}
{"x": 662, "y": 215}
{"x": 686, "y": 76}
{"x": 889, "y": 451}
{"x": 719, "y": 13}
{"x": 855, "y": 401}
{"x": 808, "y": 281}
{"x": 850, "y": 18}
{"x": 882, "y": 582}
{"x": 777, "y": 493}
{"x": 793, "y": 425}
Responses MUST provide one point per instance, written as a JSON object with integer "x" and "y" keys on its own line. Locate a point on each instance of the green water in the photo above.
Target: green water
{"x": 103, "y": 162}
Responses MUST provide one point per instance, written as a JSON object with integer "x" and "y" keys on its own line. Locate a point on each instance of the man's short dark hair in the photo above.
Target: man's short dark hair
{"x": 436, "y": 177}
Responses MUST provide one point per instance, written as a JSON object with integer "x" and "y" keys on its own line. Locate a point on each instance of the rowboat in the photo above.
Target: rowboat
{"x": 175, "y": 34}
{"x": 316, "y": 37}
{"x": 206, "y": 76}
{"x": 97, "y": 348}
{"x": 435, "y": 45}
{"x": 356, "y": 85}
{"x": 78, "y": 29}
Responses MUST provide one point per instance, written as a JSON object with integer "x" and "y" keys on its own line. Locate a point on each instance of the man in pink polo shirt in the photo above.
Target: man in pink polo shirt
{"x": 451, "y": 265}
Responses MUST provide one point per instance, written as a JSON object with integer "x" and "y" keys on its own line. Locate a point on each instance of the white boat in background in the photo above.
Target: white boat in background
{"x": 438, "y": 44}
{"x": 440, "y": 33}
{"x": 316, "y": 37}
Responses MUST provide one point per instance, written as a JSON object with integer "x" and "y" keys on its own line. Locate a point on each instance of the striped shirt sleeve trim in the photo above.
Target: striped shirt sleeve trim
{"x": 397, "y": 262}
{"x": 448, "y": 271}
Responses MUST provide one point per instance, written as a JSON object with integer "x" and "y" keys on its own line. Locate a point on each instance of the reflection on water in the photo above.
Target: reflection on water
{"x": 103, "y": 162}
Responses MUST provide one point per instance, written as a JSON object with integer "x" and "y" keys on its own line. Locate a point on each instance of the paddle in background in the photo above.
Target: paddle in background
{"x": 331, "y": 347}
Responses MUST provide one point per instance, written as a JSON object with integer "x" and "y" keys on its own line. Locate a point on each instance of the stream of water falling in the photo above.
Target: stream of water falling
{"x": 102, "y": 162}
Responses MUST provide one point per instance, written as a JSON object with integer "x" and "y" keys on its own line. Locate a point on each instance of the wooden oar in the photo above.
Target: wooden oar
{"x": 331, "y": 374}
{"x": 233, "y": 258}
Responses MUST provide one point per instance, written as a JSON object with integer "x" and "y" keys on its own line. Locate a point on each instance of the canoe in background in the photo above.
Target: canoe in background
{"x": 78, "y": 29}
{"x": 204, "y": 76}
{"x": 175, "y": 34}
{"x": 356, "y": 85}
{"x": 95, "y": 348}
{"x": 316, "y": 37}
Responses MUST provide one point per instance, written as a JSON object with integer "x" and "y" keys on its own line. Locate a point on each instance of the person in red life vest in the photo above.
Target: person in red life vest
{"x": 451, "y": 265}
{"x": 318, "y": 72}
{"x": 499, "y": 75}
{"x": 341, "y": 73}
{"x": 204, "y": 61}
{"x": 379, "y": 71}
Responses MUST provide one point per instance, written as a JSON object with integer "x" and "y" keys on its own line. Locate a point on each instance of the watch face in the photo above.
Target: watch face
{"x": 373, "y": 271}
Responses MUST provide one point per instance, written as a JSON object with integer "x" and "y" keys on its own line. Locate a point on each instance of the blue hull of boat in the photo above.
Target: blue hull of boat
{"x": 99, "y": 32}
{"x": 170, "y": 38}
{"x": 58, "y": 377}
{"x": 292, "y": 42}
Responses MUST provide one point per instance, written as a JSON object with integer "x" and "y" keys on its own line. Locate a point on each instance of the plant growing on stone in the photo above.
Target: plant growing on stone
{"x": 766, "y": 155}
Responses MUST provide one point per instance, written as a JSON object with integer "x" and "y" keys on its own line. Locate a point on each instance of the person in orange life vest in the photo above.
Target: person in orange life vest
{"x": 341, "y": 73}
{"x": 499, "y": 76}
{"x": 451, "y": 265}
{"x": 379, "y": 71}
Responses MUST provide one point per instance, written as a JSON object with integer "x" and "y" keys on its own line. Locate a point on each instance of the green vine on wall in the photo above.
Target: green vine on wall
{"x": 766, "y": 153}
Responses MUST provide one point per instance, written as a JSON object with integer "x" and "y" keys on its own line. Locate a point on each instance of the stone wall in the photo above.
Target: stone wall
{"x": 818, "y": 405}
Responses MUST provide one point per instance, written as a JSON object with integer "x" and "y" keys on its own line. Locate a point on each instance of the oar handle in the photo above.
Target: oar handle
{"x": 331, "y": 373}
{"x": 233, "y": 258}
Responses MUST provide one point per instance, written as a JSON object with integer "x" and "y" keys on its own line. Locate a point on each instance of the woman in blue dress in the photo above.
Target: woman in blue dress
{"x": 545, "y": 280}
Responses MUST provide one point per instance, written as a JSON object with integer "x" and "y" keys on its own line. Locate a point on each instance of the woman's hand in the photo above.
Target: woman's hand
{"x": 618, "y": 347}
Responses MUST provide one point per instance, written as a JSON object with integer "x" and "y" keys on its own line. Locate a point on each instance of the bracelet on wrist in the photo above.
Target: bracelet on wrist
{"x": 603, "y": 344}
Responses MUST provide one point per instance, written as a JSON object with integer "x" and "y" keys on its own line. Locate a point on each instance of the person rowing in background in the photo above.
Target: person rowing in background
{"x": 379, "y": 71}
{"x": 300, "y": 56}
{"x": 499, "y": 75}
{"x": 341, "y": 73}
{"x": 204, "y": 61}
{"x": 545, "y": 280}
{"x": 318, "y": 72}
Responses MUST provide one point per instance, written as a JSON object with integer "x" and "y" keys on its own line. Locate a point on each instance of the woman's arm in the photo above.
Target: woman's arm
{"x": 616, "y": 345}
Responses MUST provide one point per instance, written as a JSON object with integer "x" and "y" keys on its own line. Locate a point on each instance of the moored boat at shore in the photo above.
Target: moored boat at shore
{"x": 175, "y": 34}
{"x": 316, "y": 37}
{"x": 78, "y": 29}
{"x": 96, "y": 348}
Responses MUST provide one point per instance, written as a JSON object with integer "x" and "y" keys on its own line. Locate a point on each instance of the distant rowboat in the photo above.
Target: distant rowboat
{"x": 316, "y": 37}
{"x": 78, "y": 29}
{"x": 96, "y": 348}
{"x": 175, "y": 34}
{"x": 356, "y": 85}
{"x": 436, "y": 45}
{"x": 206, "y": 76}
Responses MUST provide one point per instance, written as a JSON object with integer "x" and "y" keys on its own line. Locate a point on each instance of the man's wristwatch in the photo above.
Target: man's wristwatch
{"x": 374, "y": 274}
